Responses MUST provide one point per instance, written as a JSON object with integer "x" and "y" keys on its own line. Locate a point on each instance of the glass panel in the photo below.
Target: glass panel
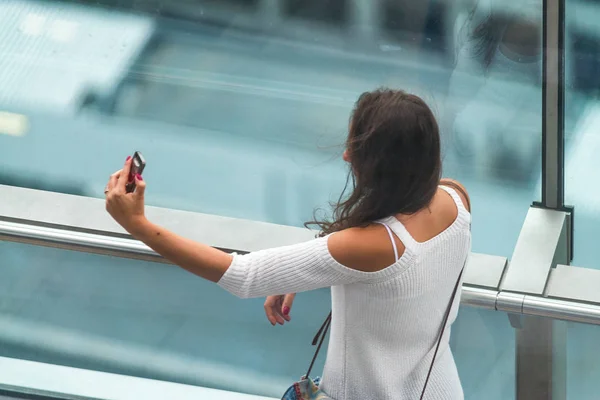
{"x": 158, "y": 321}
{"x": 253, "y": 97}
{"x": 147, "y": 319}
{"x": 583, "y": 370}
{"x": 483, "y": 344}
{"x": 582, "y": 116}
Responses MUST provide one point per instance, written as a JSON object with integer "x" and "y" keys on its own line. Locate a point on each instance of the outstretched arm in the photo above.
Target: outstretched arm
{"x": 323, "y": 262}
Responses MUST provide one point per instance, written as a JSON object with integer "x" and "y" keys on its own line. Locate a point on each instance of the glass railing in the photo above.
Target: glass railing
{"x": 79, "y": 293}
{"x": 158, "y": 322}
{"x": 106, "y": 312}
{"x": 146, "y": 319}
{"x": 483, "y": 345}
{"x": 151, "y": 320}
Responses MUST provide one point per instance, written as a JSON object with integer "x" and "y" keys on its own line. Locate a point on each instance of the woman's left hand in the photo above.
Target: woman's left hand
{"x": 126, "y": 208}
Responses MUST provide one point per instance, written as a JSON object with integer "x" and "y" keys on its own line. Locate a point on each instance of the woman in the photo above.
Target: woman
{"x": 392, "y": 255}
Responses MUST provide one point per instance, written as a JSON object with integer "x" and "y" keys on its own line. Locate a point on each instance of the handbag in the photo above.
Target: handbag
{"x": 308, "y": 389}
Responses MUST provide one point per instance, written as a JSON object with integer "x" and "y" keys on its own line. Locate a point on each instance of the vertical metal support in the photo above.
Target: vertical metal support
{"x": 271, "y": 12}
{"x": 541, "y": 359}
{"x": 541, "y": 342}
{"x": 365, "y": 18}
{"x": 553, "y": 99}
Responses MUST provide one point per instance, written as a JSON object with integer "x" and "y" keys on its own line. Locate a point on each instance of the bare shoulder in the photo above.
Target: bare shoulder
{"x": 367, "y": 249}
{"x": 460, "y": 189}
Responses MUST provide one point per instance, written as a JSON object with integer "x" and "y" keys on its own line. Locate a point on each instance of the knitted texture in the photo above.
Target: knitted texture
{"x": 385, "y": 324}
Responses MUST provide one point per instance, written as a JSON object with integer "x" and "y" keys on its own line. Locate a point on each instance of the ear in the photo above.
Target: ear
{"x": 346, "y": 156}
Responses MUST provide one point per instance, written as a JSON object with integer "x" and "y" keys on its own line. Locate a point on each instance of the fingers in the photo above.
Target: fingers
{"x": 140, "y": 186}
{"x": 272, "y": 307}
{"x": 124, "y": 175}
{"x": 286, "y": 306}
{"x": 278, "y": 308}
{"x": 113, "y": 180}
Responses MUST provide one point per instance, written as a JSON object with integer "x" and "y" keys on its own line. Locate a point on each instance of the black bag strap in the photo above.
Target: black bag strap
{"x": 446, "y": 316}
{"x": 322, "y": 332}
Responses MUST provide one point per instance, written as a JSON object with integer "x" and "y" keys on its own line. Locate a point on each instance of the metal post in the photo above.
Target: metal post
{"x": 365, "y": 18}
{"x": 541, "y": 359}
{"x": 271, "y": 13}
{"x": 540, "y": 342}
{"x": 553, "y": 99}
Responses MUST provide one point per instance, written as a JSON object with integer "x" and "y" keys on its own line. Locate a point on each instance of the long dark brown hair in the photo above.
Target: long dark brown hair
{"x": 395, "y": 162}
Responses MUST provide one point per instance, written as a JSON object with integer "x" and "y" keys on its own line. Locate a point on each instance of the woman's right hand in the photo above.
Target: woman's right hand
{"x": 278, "y": 308}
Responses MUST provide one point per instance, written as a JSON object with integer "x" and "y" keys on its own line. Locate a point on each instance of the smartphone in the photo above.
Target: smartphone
{"x": 138, "y": 163}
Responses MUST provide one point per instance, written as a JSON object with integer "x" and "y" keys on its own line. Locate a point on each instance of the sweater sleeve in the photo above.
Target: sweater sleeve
{"x": 289, "y": 269}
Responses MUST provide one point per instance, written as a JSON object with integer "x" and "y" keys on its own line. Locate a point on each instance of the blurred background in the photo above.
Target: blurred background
{"x": 241, "y": 109}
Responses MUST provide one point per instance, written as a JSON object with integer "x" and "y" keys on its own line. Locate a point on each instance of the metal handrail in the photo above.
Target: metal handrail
{"x": 107, "y": 244}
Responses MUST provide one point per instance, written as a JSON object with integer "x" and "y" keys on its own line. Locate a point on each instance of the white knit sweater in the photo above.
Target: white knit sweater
{"x": 385, "y": 324}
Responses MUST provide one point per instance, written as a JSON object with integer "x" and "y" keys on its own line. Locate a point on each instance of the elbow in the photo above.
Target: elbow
{"x": 241, "y": 292}
{"x": 240, "y": 281}
{"x": 246, "y": 292}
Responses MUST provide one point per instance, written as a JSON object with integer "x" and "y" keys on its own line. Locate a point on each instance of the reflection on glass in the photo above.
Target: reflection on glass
{"x": 493, "y": 110}
{"x": 241, "y": 107}
{"x": 158, "y": 321}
